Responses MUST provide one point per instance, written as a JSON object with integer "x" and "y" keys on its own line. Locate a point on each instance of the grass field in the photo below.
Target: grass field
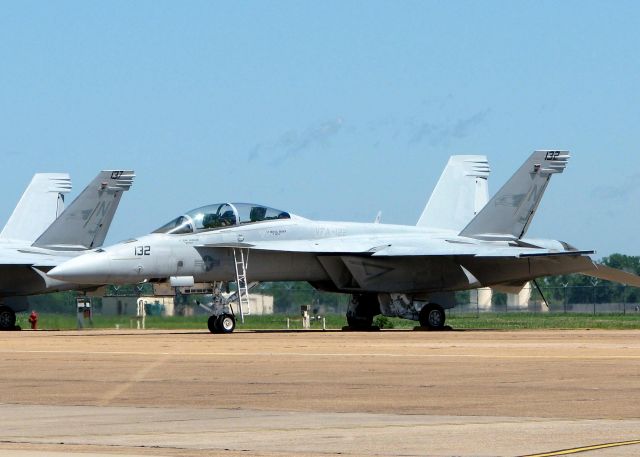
{"x": 506, "y": 321}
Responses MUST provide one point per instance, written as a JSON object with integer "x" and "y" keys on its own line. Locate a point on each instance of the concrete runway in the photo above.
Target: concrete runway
{"x": 399, "y": 393}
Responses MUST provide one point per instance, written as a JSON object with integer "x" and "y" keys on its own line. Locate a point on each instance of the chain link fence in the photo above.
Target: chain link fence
{"x": 597, "y": 298}
{"x": 593, "y": 299}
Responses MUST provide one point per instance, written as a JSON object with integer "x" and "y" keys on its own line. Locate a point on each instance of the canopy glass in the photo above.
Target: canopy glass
{"x": 221, "y": 215}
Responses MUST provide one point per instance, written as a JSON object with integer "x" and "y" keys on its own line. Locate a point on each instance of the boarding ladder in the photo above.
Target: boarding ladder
{"x": 241, "y": 260}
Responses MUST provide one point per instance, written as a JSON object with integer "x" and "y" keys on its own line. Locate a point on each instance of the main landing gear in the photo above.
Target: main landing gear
{"x": 432, "y": 317}
{"x": 362, "y": 308}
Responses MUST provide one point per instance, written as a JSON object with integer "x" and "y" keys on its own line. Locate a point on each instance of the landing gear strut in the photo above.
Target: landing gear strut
{"x": 432, "y": 316}
{"x": 7, "y": 318}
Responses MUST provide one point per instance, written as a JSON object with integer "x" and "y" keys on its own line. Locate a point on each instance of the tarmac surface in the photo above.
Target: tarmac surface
{"x": 396, "y": 393}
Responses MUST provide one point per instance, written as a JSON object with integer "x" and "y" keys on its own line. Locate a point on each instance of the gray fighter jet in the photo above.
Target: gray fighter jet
{"x": 394, "y": 270}
{"x": 39, "y": 235}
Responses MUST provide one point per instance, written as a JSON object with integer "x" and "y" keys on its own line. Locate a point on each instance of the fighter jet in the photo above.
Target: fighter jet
{"x": 40, "y": 235}
{"x": 394, "y": 270}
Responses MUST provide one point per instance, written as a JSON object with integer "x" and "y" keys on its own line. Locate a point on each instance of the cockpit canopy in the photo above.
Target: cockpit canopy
{"x": 221, "y": 215}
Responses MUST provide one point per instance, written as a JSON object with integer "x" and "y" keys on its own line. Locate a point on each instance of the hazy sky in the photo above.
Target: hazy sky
{"x": 328, "y": 109}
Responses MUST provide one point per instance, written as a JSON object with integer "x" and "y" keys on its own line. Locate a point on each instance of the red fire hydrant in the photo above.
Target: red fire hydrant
{"x": 33, "y": 320}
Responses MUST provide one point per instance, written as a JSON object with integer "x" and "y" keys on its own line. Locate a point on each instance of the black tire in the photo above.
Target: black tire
{"x": 359, "y": 322}
{"x": 361, "y": 311}
{"x": 212, "y": 323}
{"x": 226, "y": 323}
{"x": 7, "y": 318}
{"x": 432, "y": 316}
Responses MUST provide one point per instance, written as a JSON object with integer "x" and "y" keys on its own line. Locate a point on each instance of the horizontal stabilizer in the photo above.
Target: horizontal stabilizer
{"x": 459, "y": 195}
{"x": 85, "y": 222}
{"x": 556, "y": 253}
{"x": 512, "y": 208}
{"x": 613, "y": 274}
{"x": 40, "y": 205}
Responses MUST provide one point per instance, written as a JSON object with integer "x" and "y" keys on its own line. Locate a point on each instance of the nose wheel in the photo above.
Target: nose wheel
{"x": 223, "y": 323}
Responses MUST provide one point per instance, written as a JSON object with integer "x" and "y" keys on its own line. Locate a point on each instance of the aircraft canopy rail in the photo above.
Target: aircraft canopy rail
{"x": 221, "y": 215}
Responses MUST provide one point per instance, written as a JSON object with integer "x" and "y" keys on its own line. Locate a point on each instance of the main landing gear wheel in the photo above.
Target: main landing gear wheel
{"x": 361, "y": 310}
{"x": 432, "y": 316}
{"x": 7, "y": 318}
{"x": 359, "y": 322}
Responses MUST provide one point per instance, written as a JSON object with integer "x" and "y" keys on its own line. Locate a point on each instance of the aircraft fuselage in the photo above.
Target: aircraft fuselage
{"x": 209, "y": 256}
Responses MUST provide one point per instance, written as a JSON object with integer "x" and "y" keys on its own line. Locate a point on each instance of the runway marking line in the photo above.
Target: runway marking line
{"x": 576, "y": 450}
{"x": 136, "y": 378}
{"x": 327, "y": 354}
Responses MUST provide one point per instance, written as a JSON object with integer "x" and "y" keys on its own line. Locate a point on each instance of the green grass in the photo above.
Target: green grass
{"x": 500, "y": 321}
{"x": 52, "y": 321}
{"x": 514, "y": 321}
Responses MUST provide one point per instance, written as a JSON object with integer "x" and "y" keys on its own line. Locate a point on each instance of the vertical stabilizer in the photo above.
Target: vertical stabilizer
{"x": 511, "y": 209}
{"x": 460, "y": 194}
{"x": 40, "y": 204}
{"x": 85, "y": 222}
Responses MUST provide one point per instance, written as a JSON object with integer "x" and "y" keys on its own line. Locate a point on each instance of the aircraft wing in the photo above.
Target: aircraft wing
{"x": 406, "y": 248}
{"x": 457, "y": 249}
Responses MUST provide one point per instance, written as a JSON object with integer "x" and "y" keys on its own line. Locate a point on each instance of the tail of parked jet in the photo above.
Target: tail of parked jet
{"x": 511, "y": 210}
{"x": 41, "y": 203}
{"x": 85, "y": 222}
{"x": 460, "y": 194}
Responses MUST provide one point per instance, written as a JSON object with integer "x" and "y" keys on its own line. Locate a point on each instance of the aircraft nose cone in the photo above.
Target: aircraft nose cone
{"x": 85, "y": 269}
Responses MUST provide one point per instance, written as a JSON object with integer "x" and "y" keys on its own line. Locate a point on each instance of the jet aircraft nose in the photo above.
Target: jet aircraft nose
{"x": 92, "y": 268}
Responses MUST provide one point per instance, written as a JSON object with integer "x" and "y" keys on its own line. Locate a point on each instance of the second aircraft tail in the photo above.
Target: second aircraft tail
{"x": 40, "y": 204}
{"x": 85, "y": 222}
{"x": 460, "y": 194}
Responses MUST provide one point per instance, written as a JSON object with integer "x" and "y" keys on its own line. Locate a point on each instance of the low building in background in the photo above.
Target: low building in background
{"x": 167, "y": 305}
{"x": 128, "y": 306}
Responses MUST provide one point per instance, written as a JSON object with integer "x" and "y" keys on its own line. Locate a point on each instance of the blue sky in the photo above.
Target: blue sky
{"x": 331, "y": 110}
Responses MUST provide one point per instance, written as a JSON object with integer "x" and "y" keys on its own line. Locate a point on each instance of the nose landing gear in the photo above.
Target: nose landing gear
{"x": 223, "y": 323}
